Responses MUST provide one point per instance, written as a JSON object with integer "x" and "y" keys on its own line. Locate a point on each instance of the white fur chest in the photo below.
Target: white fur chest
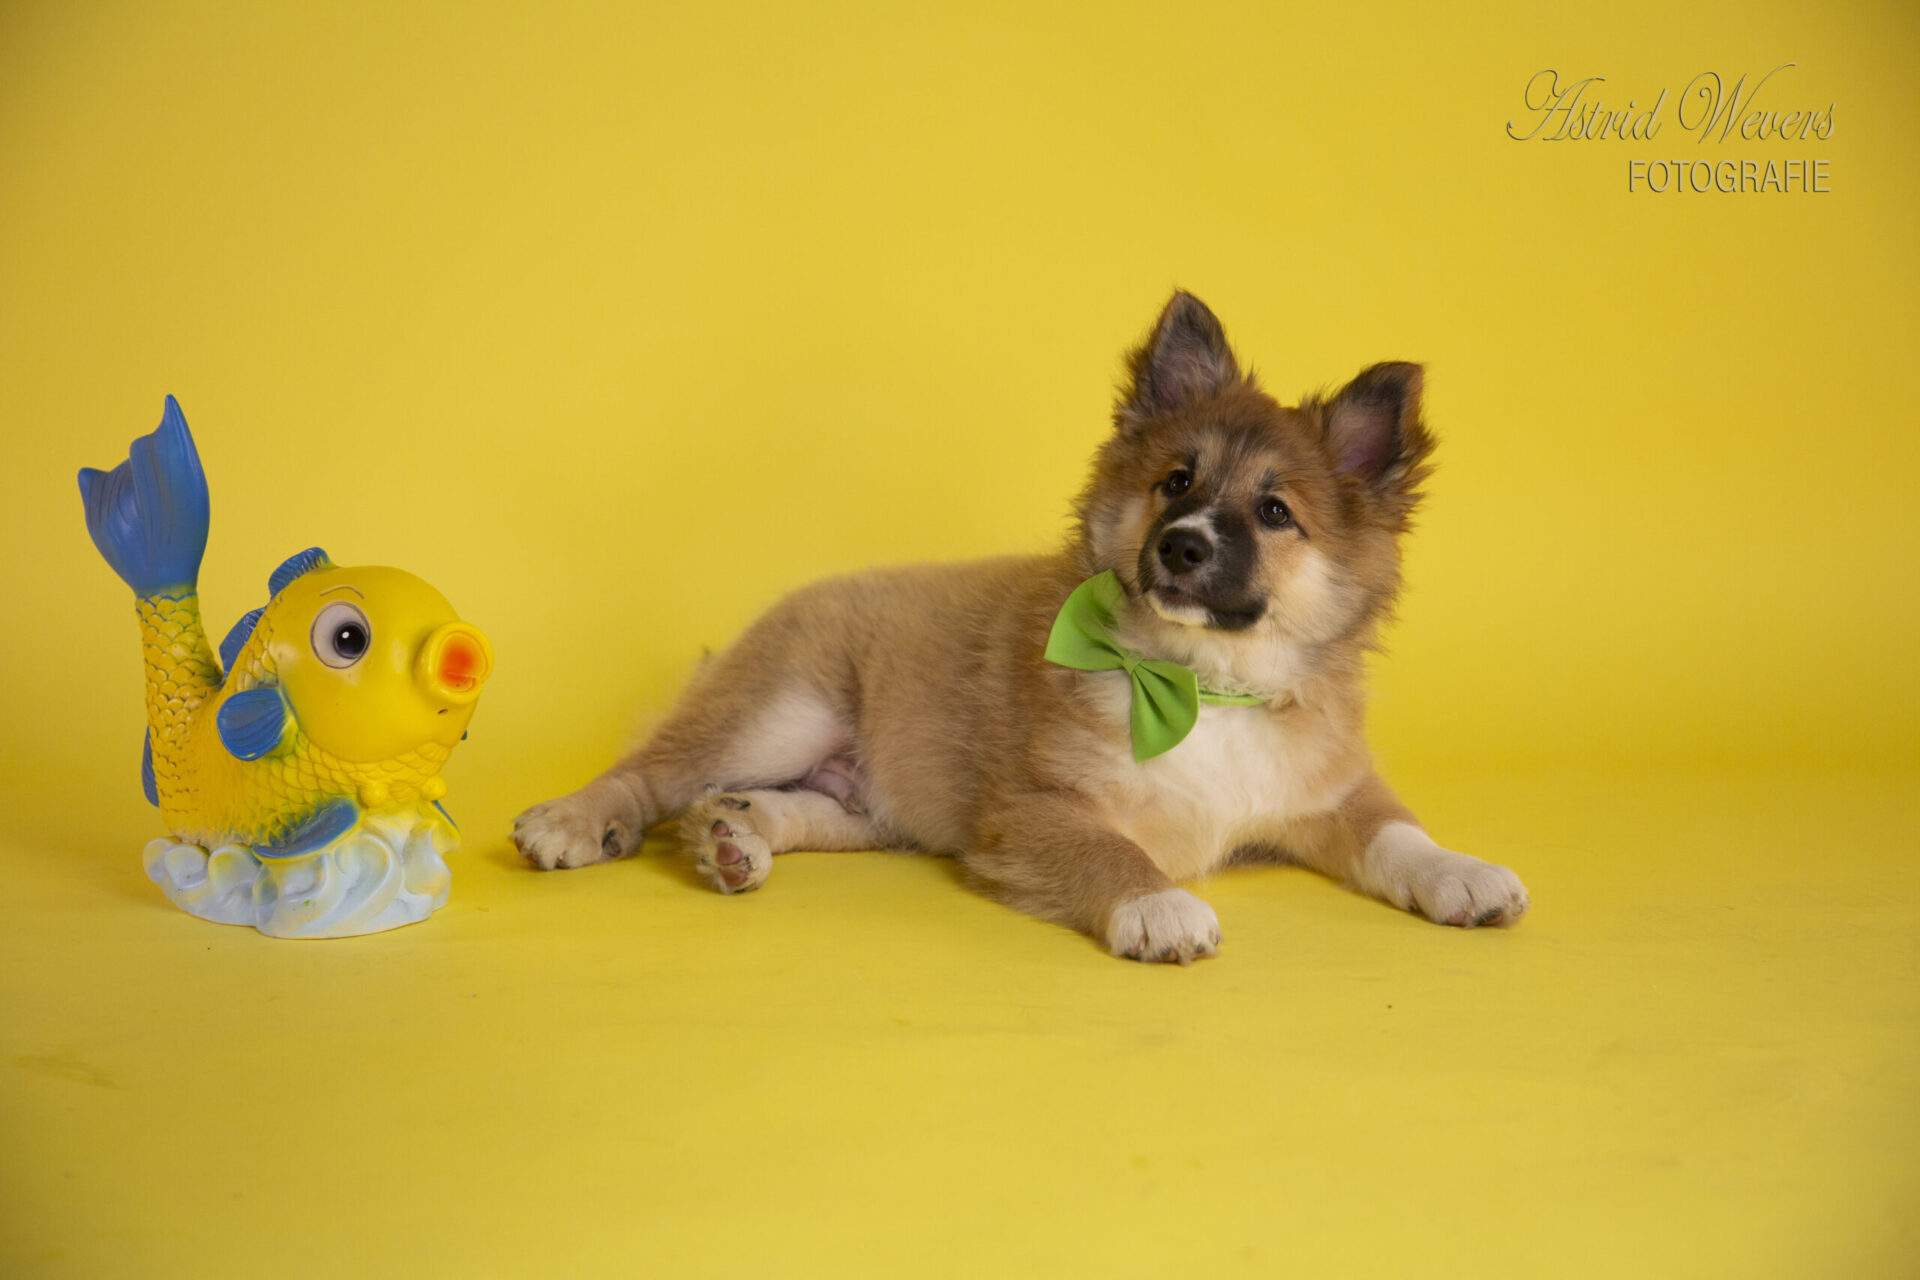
{"x": 1241, "y": 775}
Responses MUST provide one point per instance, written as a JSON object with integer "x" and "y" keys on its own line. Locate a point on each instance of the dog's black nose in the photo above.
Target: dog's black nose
{"x": 1183, "y": 550}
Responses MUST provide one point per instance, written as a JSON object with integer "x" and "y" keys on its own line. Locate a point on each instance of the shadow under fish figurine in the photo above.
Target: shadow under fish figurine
{"x": 300, "y": 775}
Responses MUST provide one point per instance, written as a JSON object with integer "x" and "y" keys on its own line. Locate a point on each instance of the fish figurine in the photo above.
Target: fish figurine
{"x": 299, "y": 774}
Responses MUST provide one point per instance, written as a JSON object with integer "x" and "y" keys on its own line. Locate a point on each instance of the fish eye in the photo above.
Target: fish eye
{"x": 1177, "y": 483}
{"x": 1274, "y": 513}
{"x": 341, "y": 635}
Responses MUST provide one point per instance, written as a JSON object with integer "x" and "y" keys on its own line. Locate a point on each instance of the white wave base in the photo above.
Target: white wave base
{"x": 387, "y": 871}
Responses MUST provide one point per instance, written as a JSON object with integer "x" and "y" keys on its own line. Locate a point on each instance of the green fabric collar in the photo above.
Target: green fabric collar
{"x": 1166, "y": 695}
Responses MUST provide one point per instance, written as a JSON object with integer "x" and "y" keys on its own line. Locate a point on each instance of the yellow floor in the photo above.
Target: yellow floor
{"x": 1695, "y": 1058}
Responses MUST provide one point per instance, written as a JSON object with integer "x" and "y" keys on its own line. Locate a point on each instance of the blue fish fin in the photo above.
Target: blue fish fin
{"x": 237, "y": 640}
{"x": 329, "y": 822}
{"x": 296, "y": 566}
{"x": 147, "y": 784}
{"x": 148, "y": 515}
{"x": 253, "y": 722}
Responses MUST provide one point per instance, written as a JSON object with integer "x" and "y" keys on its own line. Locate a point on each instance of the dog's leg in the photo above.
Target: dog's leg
{"x": 726, "y": 739}
{"x": 607, "y": 818}
{"x": 1374, "y": 845}
{"x": 1052, "y": 858}
{"x": 733, "y": 835}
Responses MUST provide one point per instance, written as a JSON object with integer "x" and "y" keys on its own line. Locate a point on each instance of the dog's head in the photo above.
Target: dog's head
{"x": 1240, "y": 522}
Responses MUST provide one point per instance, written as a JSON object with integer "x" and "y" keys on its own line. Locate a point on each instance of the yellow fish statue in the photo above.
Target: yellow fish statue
{"x": 299, "y": 775}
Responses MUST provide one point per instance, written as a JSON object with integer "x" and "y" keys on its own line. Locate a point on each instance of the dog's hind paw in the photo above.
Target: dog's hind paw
{"x": 570, "y": 832}
{"x": 1171, "y": 925}
{"x": 727, "y": 850}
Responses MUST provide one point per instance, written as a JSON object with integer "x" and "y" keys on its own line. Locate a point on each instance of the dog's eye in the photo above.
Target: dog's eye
{"x": 1274, "y": 513}
{"x": 1177, "y": 483}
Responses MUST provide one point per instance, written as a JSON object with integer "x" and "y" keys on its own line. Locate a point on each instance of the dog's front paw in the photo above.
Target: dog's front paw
{"x": 729, "y": 852}
{"x": 570, "y": 832}
{"x": 1171, "y": 925}
{"x": 1466, "y": 892}
{"x": 1409, "y": 870}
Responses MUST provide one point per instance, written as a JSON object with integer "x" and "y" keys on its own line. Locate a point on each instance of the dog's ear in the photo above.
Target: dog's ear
{"x": 1374, "y": 434}
{"x": 1184, "y": 360}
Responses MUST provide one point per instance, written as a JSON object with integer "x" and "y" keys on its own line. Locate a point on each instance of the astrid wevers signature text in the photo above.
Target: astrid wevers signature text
{"x": 1574, "y": 111}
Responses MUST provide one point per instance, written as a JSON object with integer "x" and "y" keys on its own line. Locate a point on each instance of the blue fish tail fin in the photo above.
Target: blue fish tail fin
{"x": 148, "y": 515}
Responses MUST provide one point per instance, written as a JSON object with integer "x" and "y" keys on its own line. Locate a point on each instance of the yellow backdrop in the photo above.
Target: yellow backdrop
{"x": 617, "y": 321}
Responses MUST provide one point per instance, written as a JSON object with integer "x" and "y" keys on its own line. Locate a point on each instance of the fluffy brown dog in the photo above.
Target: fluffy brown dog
{"x": 1254, "y": 544}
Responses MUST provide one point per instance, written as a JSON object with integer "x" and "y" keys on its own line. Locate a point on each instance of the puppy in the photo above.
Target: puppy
{"x": 1179, "y": 687}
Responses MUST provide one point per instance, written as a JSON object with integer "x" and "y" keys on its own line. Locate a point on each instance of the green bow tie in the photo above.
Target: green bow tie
{"x": 1166, "y": 695}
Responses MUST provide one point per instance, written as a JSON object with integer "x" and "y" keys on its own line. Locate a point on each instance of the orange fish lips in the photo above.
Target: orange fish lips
{"x": 454, "y": 662}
